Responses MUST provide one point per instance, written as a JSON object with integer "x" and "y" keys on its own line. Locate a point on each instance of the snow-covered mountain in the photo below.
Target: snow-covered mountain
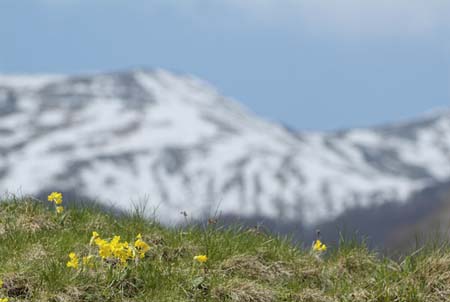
{"x": 174, "y": 140}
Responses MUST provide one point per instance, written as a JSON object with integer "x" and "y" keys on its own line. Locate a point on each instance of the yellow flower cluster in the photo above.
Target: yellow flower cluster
{"x": 318, "y": 246}
{"x": 140, "y": 246}
{"x": 73, "y": 262}
{"x": 94, "y": 237}
{"x": 201, "y": 258}
{"x": 57, "y": 199}
{"x": 122, "y": 251}
{"x": 113, "y": 249}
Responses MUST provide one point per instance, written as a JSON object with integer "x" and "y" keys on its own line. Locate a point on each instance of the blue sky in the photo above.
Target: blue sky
{"x": 311, "y": 64}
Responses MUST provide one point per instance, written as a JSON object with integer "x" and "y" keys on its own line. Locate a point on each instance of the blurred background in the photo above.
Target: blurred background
{"x": 293, "y": 114}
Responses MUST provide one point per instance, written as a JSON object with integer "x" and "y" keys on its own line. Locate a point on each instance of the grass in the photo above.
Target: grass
{"x": 243, "y": 264}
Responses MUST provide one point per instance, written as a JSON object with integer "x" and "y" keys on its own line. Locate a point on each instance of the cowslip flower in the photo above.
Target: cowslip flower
{"x": 201, "y": 258}
{"x": 115, "y": 249}
{"x": 141, "y": 246}
{"x": 73, "y": 262}
{"x": 4, "y": 299}
{"x": 318, "y": 246}
{"x": 55, "y": 197}
{"x": 59, "y": 209}
{"x": 95, "y": 236}
{"x": 104, "y": 248}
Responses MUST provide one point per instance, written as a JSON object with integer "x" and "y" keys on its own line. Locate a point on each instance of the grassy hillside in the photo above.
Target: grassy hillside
{"x": 241, "y": 265}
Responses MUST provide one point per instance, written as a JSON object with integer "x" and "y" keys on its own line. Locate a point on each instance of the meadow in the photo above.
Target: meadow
{"x": 50, "y": 251}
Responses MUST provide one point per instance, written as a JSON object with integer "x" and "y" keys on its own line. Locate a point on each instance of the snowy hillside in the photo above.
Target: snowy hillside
{"x": 125, "y": 137}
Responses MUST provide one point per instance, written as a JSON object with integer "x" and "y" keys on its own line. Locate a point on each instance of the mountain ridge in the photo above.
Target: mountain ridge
{"x": 121, "y": 136}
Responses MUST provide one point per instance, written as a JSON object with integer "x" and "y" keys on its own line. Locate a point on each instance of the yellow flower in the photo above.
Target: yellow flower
{"x": 55, "y": 197}
{"x": 73, "y": 262}
{"x": 59, "y": 209}
{"x": 201, "y": 258}
{"x": 104, "y": 248}
{"x": 121, "y": 250}
{"x": 117, "y": 249}
{"x": 115, "y": 241}
{"x": 95, "y": 236}
{"x": 4, "y": 299}
{"x": 318, "y": 246}
{"x": 141, "y": 246}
